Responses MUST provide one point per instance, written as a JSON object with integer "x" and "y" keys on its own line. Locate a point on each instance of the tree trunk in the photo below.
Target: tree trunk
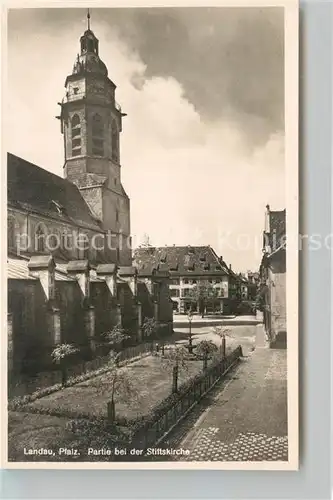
{"x": 111, "y": 411}
{"x": 63, "y": 376}
{"x": 205, "y": 362}
{"x": 175, "y": 379}
{"x": 223, "y": 347}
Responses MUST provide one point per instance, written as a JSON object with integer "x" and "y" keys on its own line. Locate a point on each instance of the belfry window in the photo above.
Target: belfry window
{"x": 76, "y": 135}
{"x": 97, "y": 132}
{"x": 115, "y": 142}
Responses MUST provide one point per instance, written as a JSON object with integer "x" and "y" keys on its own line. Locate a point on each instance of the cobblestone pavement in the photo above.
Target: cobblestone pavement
{"x": 246, "y": 417}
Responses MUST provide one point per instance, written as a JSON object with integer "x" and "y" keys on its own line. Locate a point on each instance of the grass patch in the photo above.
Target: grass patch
{"x": 86, "y": 399}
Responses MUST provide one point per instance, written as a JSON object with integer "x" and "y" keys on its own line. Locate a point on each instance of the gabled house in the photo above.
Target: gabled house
{"x": 273, "y": 277}
{"x": 189, "y": 267}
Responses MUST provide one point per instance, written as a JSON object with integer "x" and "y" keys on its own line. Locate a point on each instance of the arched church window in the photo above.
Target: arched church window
{"x": 40, "y": 237}
{"x": 115, "y": 141}
{"x": 97, "y": 132}
{"x": 11, "y": 237}
{"x": 76, "y": 135}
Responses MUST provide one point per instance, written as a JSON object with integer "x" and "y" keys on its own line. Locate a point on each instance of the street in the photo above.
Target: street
{"x": 244, "y": 418}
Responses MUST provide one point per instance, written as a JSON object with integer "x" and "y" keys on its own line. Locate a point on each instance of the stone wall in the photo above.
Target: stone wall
{"x": 77, "y": 310}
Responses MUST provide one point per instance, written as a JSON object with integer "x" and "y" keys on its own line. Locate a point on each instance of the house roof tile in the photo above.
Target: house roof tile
{"x": 180, "y": 260}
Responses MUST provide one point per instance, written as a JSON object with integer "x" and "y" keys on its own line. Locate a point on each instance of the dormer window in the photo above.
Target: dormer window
{"x": 60, "y": 209}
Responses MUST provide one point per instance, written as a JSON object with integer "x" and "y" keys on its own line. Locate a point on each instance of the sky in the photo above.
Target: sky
{"x": 202, "y": 147}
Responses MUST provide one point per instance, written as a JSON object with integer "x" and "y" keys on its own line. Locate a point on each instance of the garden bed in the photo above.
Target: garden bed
{"x": 88, "y": 399}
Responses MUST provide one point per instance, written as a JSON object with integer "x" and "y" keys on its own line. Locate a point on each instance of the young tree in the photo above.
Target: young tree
{"x": 115, "y": 338}
{"x": 203, "y": 293}
{"x": 116, "y": 382}
{"x": 149, "y": 327}
{"x": 206, "y": 349}
{"x": 61, "y": 354}
{"x": 175, "y": 358}
{"x": 222, "y": 332}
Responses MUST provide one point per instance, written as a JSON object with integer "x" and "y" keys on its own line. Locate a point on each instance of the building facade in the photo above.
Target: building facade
{"x": 273, "y": 277}
{"x": 192, "y": 268}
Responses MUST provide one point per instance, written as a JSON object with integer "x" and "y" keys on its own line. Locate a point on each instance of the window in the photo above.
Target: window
{"x": 11, "y": 233}
{"x": 174, "y": 281}
{"x": 186, "y": 281}
{"x": 217, "y": 281}
{"x": 185, "y": 292}
{"x": 76, "y": 90}
{"x": 115, "y": 141}
{"x": 174, "y": 293}
{"x": 76, "y": 135}
{"x": 40, "y": 239}
{"x": 97, "y": 132}
{"x": 194, "y": 282}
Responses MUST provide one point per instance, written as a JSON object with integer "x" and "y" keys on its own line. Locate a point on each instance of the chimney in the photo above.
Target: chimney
{"x": 230, "y": 267}
{"x": 79, "y": 270}
{"x": 42, "y": 267}
{"x": 130, "y": 275}
{"x": 108, "y": 272}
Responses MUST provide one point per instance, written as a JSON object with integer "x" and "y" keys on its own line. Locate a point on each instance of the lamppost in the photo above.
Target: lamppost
{"x": 190, "y": 346}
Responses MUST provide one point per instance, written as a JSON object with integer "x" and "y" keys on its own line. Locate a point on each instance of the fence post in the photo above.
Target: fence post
{"x": 175, "y": 379}
{"x": 223, "y": 346}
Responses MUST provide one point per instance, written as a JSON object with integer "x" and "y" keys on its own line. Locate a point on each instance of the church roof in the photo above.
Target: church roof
{"x": 34, "y": 189}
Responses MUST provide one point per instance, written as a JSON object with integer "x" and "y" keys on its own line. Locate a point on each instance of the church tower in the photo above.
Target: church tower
{"x": 91, "y": 122}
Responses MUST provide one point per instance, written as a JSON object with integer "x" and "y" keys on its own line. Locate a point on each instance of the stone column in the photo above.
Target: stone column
{"x": 156, "y": 311}
{"x": 130, "y": 275}
{"x": 108, "y": 273}
{"x": 10, "y": 348}
{"x": 42, "y": 267}
{"x": 54, "y": 324}
{"x": 80, "y": 270}
{"x": 139, "y": 315}
{"x": 119, "y": 319}
{"x": 89, "y": 323}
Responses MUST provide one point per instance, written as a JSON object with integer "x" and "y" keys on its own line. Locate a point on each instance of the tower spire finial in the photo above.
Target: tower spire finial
{"x": 88, "y": 18}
